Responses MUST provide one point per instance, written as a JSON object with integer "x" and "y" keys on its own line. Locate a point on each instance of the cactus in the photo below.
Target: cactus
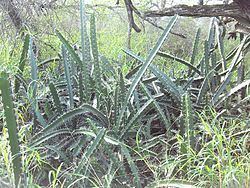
{"x": 12, "y": 127}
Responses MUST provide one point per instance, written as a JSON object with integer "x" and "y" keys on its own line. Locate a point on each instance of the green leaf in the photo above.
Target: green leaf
{"x": 108, "y": 139}
{"x": 211, "y": 34}
{"x": 133, "y": 71}
{"x": 116, "y": 108}
{"x": 206, "y": 58}
{"x": 22, "y": 80}
{"x": 49, "y": 135}
{"x": 47, "y": 61}
{"x": 80, "y": 63}
{"x": 122, "y": 87}
{"x": 80, "y": 87}
{"x": 40, "y": 138}
{"x": 171, "y": 87}
{"x": 34, "y": 76}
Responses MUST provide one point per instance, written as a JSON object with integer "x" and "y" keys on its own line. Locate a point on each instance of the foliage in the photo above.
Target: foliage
{"x": 88, "y": 122}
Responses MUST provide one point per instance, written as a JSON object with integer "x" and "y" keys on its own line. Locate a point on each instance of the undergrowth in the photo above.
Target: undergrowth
{"x": 82, "y": 120}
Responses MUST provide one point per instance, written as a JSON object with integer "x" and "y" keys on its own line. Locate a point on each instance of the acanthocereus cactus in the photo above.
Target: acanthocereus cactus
{"x": 11, "y": 125}
{"x": 80, "y": 113}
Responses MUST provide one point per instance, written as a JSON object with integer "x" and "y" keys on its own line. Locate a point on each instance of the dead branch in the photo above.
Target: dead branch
{"x": 139, "y": 14}
{"x": 129, "y": 4}
{"x": 231, "y": 10}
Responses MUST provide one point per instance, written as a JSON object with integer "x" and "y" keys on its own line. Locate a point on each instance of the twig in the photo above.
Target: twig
{"x": 129, "y": 8}
{"x": 139, "y": 14}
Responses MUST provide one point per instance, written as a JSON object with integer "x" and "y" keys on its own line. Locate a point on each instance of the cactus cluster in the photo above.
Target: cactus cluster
{"x": 91, "y": 108}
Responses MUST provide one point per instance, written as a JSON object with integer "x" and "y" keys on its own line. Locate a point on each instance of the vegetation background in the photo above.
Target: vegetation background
{"x": 88, "y": 102}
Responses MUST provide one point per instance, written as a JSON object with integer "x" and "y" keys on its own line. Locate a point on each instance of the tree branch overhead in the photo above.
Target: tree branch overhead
{"x": 233, "y": 10}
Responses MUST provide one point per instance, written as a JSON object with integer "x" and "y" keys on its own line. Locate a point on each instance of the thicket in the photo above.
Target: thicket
{"x": 79, "y": 120}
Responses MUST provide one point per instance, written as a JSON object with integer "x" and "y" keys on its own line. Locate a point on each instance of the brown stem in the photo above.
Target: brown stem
{"x": 129, "y": 8}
